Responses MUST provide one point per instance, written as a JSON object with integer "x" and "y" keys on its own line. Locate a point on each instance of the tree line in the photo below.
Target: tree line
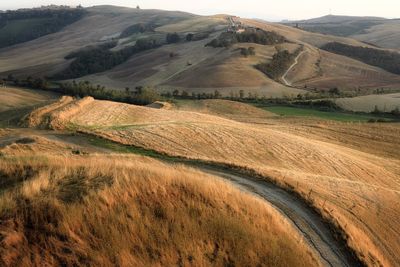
{"x": 257, "y": 36}
{"x": 140, "y": 95}
{"x": 386, "y": 60}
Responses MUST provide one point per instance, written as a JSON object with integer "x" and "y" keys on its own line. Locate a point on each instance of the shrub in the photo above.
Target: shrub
{"x": 173, "y": 38}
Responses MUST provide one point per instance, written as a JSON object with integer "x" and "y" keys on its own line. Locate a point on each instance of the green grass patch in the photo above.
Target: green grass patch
{"x": 328, "y": 115}
{"x": 125, "y": 149}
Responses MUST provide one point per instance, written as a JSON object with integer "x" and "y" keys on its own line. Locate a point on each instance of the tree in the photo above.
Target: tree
{"x": 241, "y": 94}
{"x": 217, "y": 94}
{"x": 376, "y": 110}
{"x": 185, "y": 94}
{"x": 396, "y": 111}
{"x": 175, "y": 93}
{"x": 173, "y": 38}
{"x": 189, "y": 37}
{"x": 334, "y": 91}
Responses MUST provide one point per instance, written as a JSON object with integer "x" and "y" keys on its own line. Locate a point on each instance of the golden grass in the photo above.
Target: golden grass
{"x": 349, "y": 183}
{"x": 224, "y": 108}
{"x": 386, "y": 102}
{"x": 134, "y": 211}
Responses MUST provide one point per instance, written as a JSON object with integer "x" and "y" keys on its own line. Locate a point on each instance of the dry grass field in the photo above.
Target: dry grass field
{"x": 354, "y": 181}
{"x": 386, "y": 103}
{"x": 57, "y": 208}
{"x": 322, "y": 69}
{"x": 224, "y": 108}
{"x": 224, "y": 69}
{"x": 45, "y": 55}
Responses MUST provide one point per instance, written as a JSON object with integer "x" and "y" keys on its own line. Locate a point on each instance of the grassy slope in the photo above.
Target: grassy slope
{"x": 386, "y": 102}
{"x": 130, "y": 210}
{"x": 356, "y": 188}
{"x": 45, "y": 55}
{"x": 326, "y": 70}
{"x": 327, "y": 115}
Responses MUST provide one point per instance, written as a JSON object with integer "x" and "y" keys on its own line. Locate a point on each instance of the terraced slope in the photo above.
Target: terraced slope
{"x": 354, "y": 189}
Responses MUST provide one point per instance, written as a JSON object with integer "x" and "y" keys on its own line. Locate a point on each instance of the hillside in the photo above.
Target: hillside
{"x": 380, "y": 32}
{"x": 150, "y": 213}
{"x": 132, "y": 49}
{"x": 356, "y": 189}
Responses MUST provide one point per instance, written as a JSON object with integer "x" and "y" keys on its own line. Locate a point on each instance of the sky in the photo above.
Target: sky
{"x": 263, "y": 9}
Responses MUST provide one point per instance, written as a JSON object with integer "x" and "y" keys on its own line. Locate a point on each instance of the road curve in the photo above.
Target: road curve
{"x": 316, "y": 232}
{"x": 296, "y": 61}
{"x": 332, "y": 252}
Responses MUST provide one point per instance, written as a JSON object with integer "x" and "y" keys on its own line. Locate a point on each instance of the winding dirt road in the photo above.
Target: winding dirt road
{"x": 296, "y": 61}
{"x": 309, "y": 223}
{"x": 318, "y": 234}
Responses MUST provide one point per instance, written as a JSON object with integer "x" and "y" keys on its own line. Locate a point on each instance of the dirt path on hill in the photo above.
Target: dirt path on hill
{"x": 312, "y": 227}
{"x": 296, "y": 61}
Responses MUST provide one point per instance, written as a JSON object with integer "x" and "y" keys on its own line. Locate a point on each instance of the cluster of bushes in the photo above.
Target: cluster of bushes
{"x": 24, "y": 25}
{"x": 320, "y": 104}
{"x": 191, "y": 37}
{"x": 247, "y": 51}
{"x": 280, "y": 62}
{"x": 36, "y": 83}
{"x": 386, "y": 60}
{"x": 185, "y": 95}
{"x": 139, "y": 96}
{"x": 173, "y": 38}
{"x": 137, "y": 28}
{"x": 100, "y": 58}
{"x": 256, "y": 36}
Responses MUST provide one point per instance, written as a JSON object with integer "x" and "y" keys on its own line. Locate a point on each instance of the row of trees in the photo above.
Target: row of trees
{"x": 256, "y": 36}
{"x": 139, "y": 96}
{"x": 386, "y": 60}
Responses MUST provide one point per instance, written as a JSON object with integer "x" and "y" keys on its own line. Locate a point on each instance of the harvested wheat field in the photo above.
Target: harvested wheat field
{"x": 368, "y": 103}
{"x": 356, "y": 189}
{"x": 133, "y": 211}
{"x": 224, "y": 108}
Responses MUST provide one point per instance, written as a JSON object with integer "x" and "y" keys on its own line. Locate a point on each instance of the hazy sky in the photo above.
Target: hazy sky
{"x": 265, "y": 9}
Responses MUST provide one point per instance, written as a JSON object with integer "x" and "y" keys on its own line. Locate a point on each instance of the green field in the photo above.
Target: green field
{"x": 328, "y": 115}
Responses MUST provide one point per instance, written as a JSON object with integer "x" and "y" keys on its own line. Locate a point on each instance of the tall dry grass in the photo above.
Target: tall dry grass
{"x": 133, "y": 211}
{"x": 352, "y": 169}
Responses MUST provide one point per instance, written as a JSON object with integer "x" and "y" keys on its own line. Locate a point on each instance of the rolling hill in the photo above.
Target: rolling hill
{"x": 377, "y": 31}
{"x": 352, "y": 184}
{"x": 132, "y": 48}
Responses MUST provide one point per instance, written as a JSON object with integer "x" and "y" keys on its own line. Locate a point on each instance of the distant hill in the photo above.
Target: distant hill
{"x": 378, "y": 31}
{"x": 121, "y": 48}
